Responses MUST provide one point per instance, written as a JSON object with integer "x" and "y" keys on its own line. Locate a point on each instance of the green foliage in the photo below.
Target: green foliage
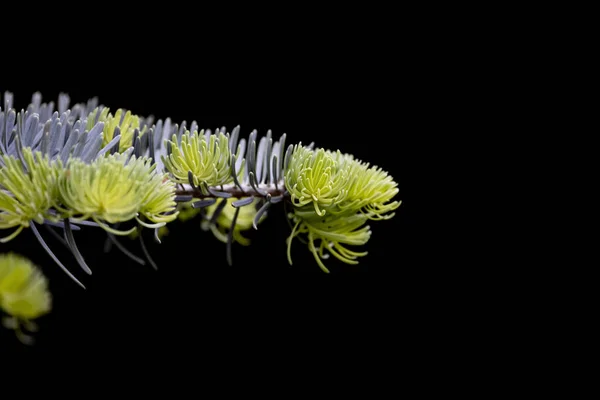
{"x": 209, "y": 161}
{"x": 158, "y": 202}
{"x": 108, "y": 190}
{"x": 24, "y": 294}
{"x": 112, "y": 190}
{"x": 123, "y": 119}
{"x": 332, "y": 234}
{"x": 334, "y": 196}
{"x": 314, "y": 177}
{"x": 26, "y": 196}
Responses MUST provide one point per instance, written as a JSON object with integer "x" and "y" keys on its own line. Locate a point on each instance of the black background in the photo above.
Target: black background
{"x": 195, "y": 303}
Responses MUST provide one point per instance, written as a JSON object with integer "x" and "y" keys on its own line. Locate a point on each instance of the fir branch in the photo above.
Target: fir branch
{"x": 234, "y": 191}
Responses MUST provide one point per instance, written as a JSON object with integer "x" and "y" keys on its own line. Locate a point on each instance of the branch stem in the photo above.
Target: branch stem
{"x": 234, "y": 191}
